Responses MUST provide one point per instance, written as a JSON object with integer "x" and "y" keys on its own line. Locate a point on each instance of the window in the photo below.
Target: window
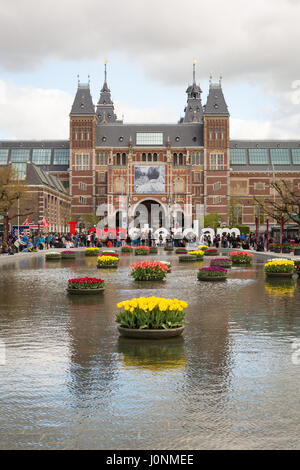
{"x": 259, "y": 186}
{"x": 3, "y": 156}
{"x": 177, "y": 159}
{"x": 197, "y": 191}
{"x": 121, "y": 160}
{"x": 217, "y": 133}
{"x": 61, "y": 157}
{"x": 19, "y": 155}
{"x": 217, "y": 199}
{"x": 149, "y": 157}
{"x": 101, "y": 158}
{"x": 155, "y": 157}
{"x": 197, "y": 177}
{"x": 258, "y": 157}
{"x": 238, "y": 156}
{"x": 41, "y": 156}
{"x": 82, "y": 200}
{"x": 21, "y": 170}
{"x": 222, "y": 133}
{"x": 210, "y": 133}
{"x": 82, "y": 134}
{"x": 296, "y": 156}
{"x": 217, "y": 161}
{"x": 280, "y": 156}
{"x": 197, "y": 158}
{"x": 149, "y": 138}
{"x": 102, "y": 177}
{"x": 75, "y": 134}
{"x": 81, "y": 162}
{"x": 143, "y": 157}
{"x": 82, "y": 186}
{"x": 102, "y": 190}
{"x": 88, "y": 134}
{"x": 217, "y": 186}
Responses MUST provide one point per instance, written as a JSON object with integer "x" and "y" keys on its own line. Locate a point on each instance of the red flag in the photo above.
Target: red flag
{"x": 26, "y": 221}
{"x": 45, "y": 222}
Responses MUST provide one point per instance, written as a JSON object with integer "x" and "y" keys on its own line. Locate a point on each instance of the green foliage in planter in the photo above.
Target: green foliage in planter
{"x": 187, "y": 258}
{"x": 213, "y": 272}
{"x": 153, "y": 249}
{"x": 126, "y": 249}
{"x": 51, "y": 256}
{"x": 168, "y": 248}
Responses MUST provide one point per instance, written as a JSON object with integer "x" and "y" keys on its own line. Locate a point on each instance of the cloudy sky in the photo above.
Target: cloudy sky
{"x": 150, "y": 46}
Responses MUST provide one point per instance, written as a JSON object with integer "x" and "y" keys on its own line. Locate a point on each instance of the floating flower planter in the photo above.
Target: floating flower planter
{"x": 141, "y": 250}
{"x": 198, "y": 253}
{"x": 297, "y": 250}
{"x": 167, "y": 263}
{"x": 211, "y": 252}
{"x": 85, "y": 286}
{"x": 241, "y": 257}
{"x": 126, "y": 249}
{"x": 91, "y": 251}
{"x": 153, "y": 250}
{"x": 187, "y": 258}
{"x": 68, "y": 254}
{"x": 149, "y": 271}
{"x": 107, "y": 262}
{"x": 168, "y": 248}
{"x": 282, "y": 268}
{"x": 223, "y": 262}
{"x": 212, "y": 274}
{"x": 203, "y": 247}
{"x": 297, "y": 265}
{"x": 151, "y": 317}
{"x": 52, "y": 256}
{"x": 109, "y": 253}
{"x": 181, "y": 251}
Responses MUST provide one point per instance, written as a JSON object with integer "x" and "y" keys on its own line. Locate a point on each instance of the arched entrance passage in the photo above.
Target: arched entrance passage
{"x": 150, "y": 212}
{"x": 118, "y": 219}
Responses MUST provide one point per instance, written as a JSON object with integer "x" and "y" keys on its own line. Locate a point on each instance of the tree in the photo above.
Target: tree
{"x": 285, "y": 203}
{"x": 212, "y": 220}
{"x": 89, "y": 220}
{"x": 11, "y": 190}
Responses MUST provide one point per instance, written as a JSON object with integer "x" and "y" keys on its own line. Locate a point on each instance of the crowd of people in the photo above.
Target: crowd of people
{"x": 40, "y": 241}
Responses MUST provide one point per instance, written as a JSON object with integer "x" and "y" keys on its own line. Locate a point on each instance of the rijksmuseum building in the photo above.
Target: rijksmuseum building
{"x": 191, "y": 165}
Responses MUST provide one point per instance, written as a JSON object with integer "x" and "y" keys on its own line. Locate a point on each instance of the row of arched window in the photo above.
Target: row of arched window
{"x": 149, "y": 157}
{"x": 121, "y": 159}
{"x": 178, "y": 159}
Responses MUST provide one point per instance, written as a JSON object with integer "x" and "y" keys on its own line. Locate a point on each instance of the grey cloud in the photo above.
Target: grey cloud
{"x": 253, "y": 41}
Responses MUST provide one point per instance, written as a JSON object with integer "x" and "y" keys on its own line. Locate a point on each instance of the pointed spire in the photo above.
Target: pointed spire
{"x": 193, "y": 109}
{"x": 194, "y": 71}
{"x": 105, "y": 106}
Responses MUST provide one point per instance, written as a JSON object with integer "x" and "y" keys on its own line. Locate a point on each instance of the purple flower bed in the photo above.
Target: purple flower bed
{"x": 222, "y": 259}
{"x": 68, "y": 252}
{"x": 212, "y": 271}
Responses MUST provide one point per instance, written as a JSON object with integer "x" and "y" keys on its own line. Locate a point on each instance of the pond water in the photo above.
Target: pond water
{"x": 69, "y": 381}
